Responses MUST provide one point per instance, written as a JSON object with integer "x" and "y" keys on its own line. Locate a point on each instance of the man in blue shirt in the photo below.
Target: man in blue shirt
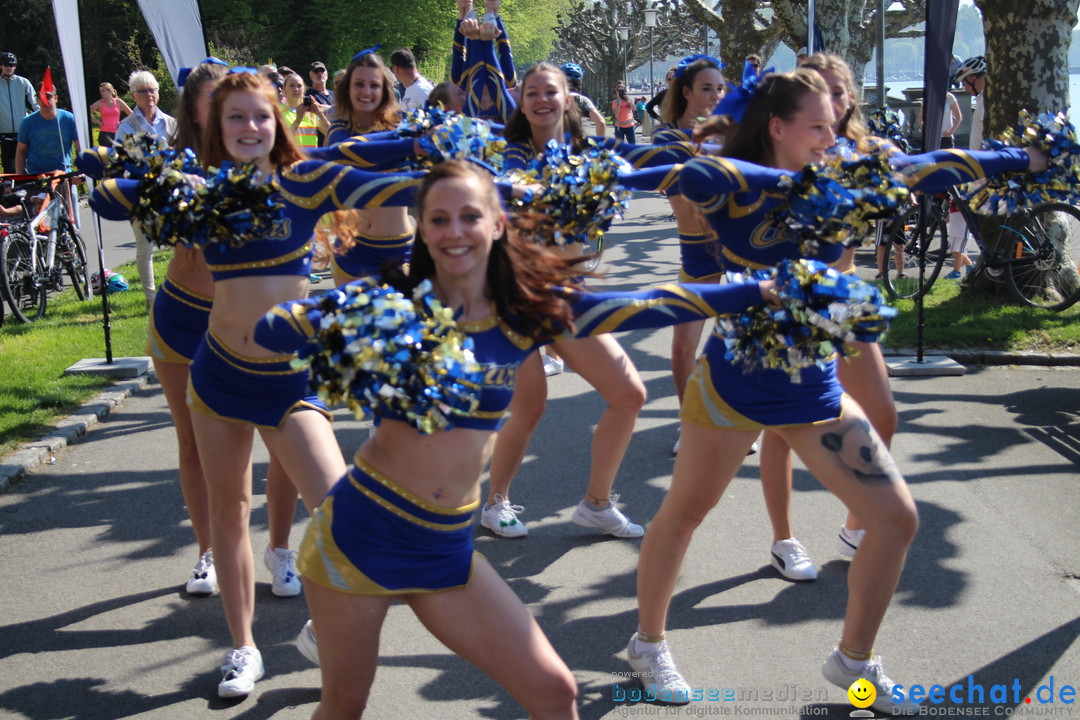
{"x": 45, "y": 139}
{"x": 17, "y": 98}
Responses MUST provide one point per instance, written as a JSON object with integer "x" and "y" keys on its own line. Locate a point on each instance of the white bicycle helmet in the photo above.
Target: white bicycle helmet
{"x": 972, "y": 66}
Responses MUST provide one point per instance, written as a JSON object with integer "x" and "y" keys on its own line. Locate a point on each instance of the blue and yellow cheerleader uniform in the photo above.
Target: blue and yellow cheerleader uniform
{"x": 720, "y": 394}
{"x": 371, "y": 536}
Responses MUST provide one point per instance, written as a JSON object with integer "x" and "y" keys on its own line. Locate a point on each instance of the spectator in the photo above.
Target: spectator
{"x": 302, "y": 114}
{"x": 755, "y": 62}
{"x": 800, "y": 57}
{"x": 18, "y": 100}
{"x": 106, "y": 113}
{"x": 416, "y": 86}
{"x": 147, "y": 118}
{"x": 322, "y": 97}
{"x": 586, "y": 107}
{"x": 624, "y": 115}
{"x": 45, "y": 139}
{"x": 971, "y": 74}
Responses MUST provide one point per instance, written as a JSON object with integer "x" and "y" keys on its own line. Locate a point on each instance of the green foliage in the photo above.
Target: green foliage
{"x": 531, "y": 25}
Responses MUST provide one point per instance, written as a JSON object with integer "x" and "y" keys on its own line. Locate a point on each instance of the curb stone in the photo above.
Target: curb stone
{"x": 996, "y": 357}
{"x": 68, "y": 430}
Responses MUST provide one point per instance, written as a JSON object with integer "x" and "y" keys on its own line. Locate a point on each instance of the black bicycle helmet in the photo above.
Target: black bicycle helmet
{"x": 972, "y": 66}
{"x": 573, "y": 71}
{"x": 7, "y": 58}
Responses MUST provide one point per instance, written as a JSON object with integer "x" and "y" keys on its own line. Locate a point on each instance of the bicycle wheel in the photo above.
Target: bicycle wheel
{"x": 598, "y": 250}
{"x": 904, "y": 239}
{"x": 1042, "y": 269}
{"x": 71, "y": 251}
{"x": 20, "y": 283}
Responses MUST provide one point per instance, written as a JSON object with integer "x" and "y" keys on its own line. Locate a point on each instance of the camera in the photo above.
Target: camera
{"x": 307, "y": 102}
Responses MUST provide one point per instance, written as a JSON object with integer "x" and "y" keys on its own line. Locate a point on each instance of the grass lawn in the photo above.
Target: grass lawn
{"x": 34, "y": 392}
{"x": 979, "y": 320}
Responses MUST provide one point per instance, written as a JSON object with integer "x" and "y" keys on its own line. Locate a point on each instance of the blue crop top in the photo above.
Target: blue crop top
{"x": 309, "y": 189}
{"x": 500, "y": 349}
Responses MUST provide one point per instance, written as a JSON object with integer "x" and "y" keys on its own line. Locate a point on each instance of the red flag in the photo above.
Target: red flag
{"x": 47, "y": 87}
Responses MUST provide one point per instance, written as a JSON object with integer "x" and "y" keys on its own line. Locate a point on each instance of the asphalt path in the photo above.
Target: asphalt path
{"x": 95, "y": 549}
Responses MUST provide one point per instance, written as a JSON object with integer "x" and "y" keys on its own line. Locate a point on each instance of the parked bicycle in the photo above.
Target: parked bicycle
{"x": 1037, "y": 252}
{"x": 40, "y": 248}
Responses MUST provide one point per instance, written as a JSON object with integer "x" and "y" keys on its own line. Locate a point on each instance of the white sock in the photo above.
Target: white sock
{"x": 854, "y": 666}
{"x": 646, "y": 648}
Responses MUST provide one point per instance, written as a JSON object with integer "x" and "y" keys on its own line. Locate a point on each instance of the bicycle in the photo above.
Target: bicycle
{"x": 1036, "y": 254}
{"x": 38, "y": 250}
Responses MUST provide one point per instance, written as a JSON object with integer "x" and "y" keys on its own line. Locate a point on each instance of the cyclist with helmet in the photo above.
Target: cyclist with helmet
{"x": 971, "y": 75}
{"x": 586, "y": 107}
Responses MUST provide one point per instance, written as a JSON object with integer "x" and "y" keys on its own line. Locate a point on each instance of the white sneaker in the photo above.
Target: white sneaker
{"x": 834, "y": 671}
{"x": 203, "y": 580}
{"x": 675, "y": 447}
{"x": 243, "y": 667}
{"x": 552, "y": 365}
{"x": 609, "y": 519}
{"x": 501, "y": 518}
{"x": 790, "y": 558}
{"x": 847, "y": 541}
{"x": 658, "y": 674}
{"x": 753, "y": 449}
{"x": 306, "y": 644}
{"x": 282, "y": 564}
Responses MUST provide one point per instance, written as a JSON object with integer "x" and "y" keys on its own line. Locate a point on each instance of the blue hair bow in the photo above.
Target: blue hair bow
{"x": 688, "y": 61}
{"x": 735, "y": 102}
{"x": 362, "y": 53}
{"x": 182, "y": 76}
{"x": 242, "y": 69}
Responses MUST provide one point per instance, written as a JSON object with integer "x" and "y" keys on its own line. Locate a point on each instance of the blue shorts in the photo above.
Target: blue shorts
{"x": 719, "y": 395}
{"x": 178, "y": 321}
{"x": 366, "y": 257}
{"x": 699, "y": 257}
{"x": 258, "y": 391}
{"x": 370, "y": 536}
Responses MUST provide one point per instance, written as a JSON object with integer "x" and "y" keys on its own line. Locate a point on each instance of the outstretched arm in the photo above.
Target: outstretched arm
{"x": 597, "y": 313}
{"x": 707, "y": 181}
{"x": 936, "y": 171}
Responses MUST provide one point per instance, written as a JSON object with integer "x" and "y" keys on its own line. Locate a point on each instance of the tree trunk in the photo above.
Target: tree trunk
{"x": 741, "y": 29}
{"x": 1027, "y": 50}
{"x": 1027, "y": 47}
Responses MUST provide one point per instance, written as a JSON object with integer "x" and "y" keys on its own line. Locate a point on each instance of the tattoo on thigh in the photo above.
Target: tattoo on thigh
{"x": 860, "y": 449}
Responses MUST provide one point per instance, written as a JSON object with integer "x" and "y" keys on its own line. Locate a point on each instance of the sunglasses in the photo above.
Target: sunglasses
{"x": 147, "y": 91}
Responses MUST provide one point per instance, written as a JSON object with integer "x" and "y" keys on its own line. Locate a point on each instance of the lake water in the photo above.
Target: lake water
{"x": 897, "y": 86}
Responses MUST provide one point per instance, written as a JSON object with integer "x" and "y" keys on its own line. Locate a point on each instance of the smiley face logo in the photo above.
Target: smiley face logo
{"x": 862, "y": 693}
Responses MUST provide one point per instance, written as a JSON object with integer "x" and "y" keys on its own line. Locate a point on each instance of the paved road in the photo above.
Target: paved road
{"x": 96, "y": 547}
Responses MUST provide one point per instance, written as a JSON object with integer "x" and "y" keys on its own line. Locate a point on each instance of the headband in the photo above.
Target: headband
{"x": 362, "y": 53}
{"x": 688, "y": 61}
{"x": 738, "y": 97}
{"x": 182, "y": 76}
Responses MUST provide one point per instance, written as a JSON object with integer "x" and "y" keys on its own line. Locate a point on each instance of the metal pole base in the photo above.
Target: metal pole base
{"x": 124, "y": 367}
{"x": 931, "y": 365}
